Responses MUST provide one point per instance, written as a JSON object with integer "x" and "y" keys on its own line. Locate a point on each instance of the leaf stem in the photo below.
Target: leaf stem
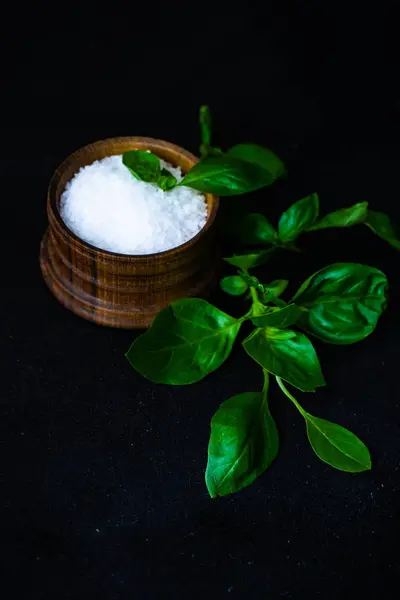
{"x": 205, "y": 125}
{"x": 289, "y": 395}
{"x": 291, "y": 246}
{"x": 253, "y": 293}
{"x": 266, "y": 382}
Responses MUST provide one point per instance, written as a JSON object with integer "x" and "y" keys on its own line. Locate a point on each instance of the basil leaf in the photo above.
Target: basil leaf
{"x": 382, "y": 226}
{"x": 345, "y": 217}
{"x": 147, "y": 167}
{"x": 187, "y": 340}
{"x": 226, "y": 176}
{"x": 281, "y": 318}
{"x": 280, "y": 334}
{"x": 256, "y": 229}
{"x": 332, "y": 443}
{"x": 243, "y": 442}
{"x": 336, "y": 445}
{"x": 249, "y": 261}
{"x": 287, "y": 354}
{"x": 344, "y": 302}
{"x": 298, "y": 217}
{"x": 276, "y": 288}
{"x": 261, "y": 156}
{"x": 143, "y": 165}
{"x": 166, "y": 181}
{"x": 234, "y": 285}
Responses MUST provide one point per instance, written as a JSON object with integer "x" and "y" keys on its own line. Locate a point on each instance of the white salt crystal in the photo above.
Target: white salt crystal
{"x": 107, "y": 207}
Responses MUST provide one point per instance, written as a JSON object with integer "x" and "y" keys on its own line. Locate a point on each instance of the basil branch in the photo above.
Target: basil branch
{"x": 340, "y": 304}
{"x": 303, "y": 216}
{"x": 253, "y": 293}
{"x": 191, "y": 338}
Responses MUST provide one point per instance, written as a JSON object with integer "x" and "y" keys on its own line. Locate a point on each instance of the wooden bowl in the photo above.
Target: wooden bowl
{"x": 122, "y": 290}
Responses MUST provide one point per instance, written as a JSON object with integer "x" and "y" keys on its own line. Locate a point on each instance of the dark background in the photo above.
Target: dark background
{"x": 103, "y": 472}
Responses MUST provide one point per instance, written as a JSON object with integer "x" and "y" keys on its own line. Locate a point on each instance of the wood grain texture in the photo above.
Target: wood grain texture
{"x": 115, "y": 289}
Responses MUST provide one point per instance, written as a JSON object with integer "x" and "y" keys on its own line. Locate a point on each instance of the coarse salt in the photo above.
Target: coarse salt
{"x": 106, "y": 206}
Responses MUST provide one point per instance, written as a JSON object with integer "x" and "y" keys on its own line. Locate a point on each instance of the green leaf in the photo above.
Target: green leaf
{"x": 256, "y": 229}
{"x": 147, "y": 167}
{"x": 298, "y": 217}
{"x": 166, "y": 181}
{"x": 279, "y": 334}
{"x": 143, "y": 165}
{"x": 333, "y": 443}
{"x": 383, "y": 227}
{"x": 226, "y": 176}
{"x": 249, "y": 261}
{"x": 243, "y": 442}
{"x": 345, "y": 217}
{"x": 281, "y": 318}
{"x": 187, "y": 340}
{"x": 261, "y": 156}
{"x": 287, "y": 354}
{"x": 344, "y": 302}
{"x": 234, "y": 285}
{"x": 276, "y": 288}
{"x": 337, "y": 446}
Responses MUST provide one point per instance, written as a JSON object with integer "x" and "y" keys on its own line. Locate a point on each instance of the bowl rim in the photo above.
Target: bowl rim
{"x": 82, "y": 245}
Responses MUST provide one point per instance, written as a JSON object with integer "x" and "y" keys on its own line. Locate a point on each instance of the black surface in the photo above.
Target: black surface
{"x": 104, "y": 493}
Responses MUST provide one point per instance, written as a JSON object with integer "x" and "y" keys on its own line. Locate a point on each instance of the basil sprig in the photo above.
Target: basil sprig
{"x": 243, "y": 168}
{"x": 189, "y": 339}
{"x": 145, "y": 166}
{"x": 303, "y": 216}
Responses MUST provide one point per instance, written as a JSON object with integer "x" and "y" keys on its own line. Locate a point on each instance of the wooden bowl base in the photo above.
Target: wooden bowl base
{"x": 90, "y": 307}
